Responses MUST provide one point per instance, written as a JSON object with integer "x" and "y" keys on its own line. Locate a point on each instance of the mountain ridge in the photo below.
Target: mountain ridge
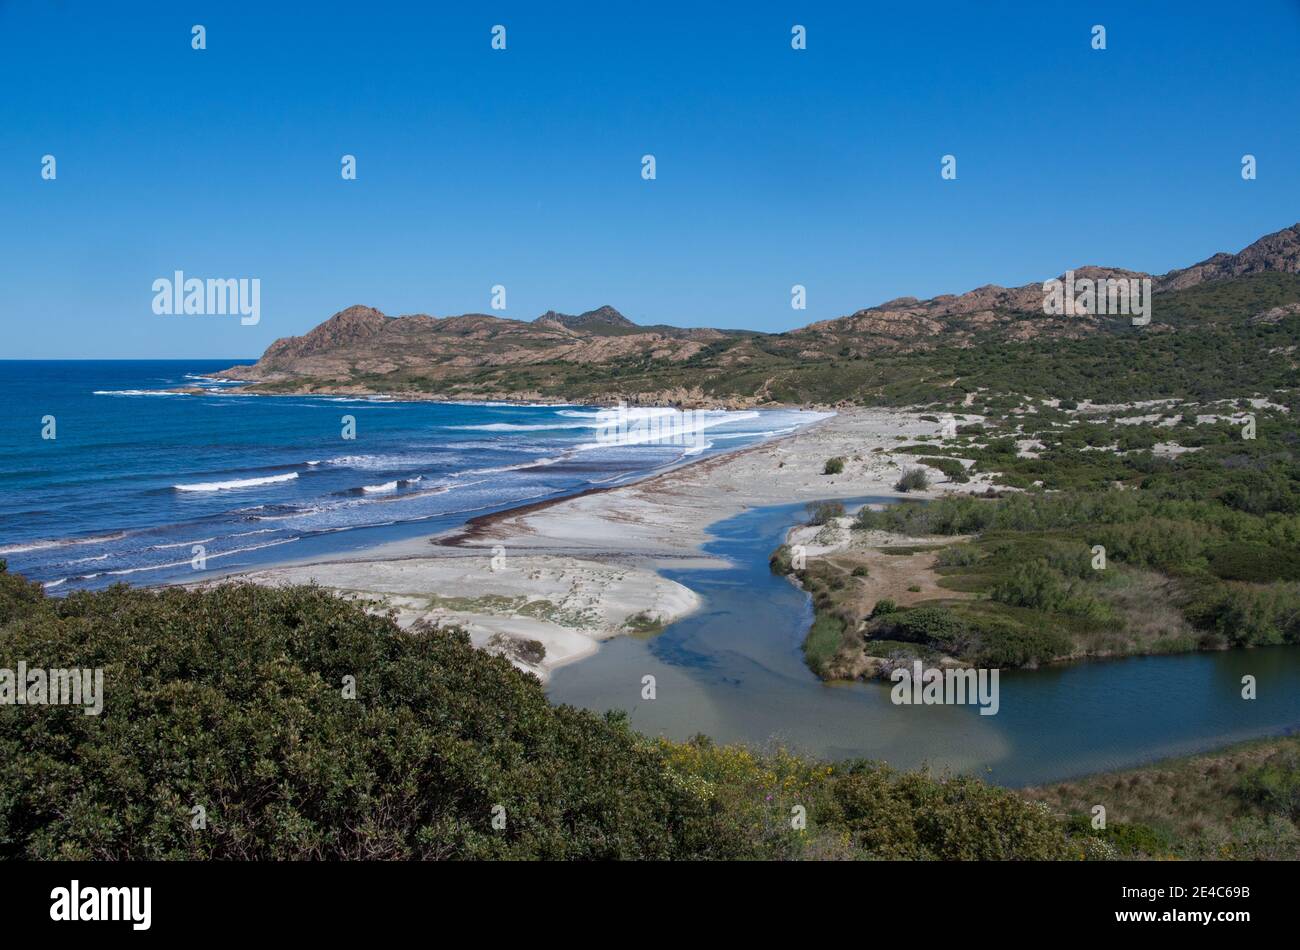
{"x": 361, "y": 349}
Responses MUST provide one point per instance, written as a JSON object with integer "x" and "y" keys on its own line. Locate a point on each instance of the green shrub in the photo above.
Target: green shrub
{"x": 957, "y": 555}
{"x": 1033, "y": 584}
{"x": 914, "y": 479}
{"x": 834, "y": 466}
{"x": 999, "y": 642}
{"x": 781, "y": 560}
{"x": 908, "y": 816}
{"x": 1128, "y": 838}
{"x": 883, "y": 607}
{"x": 823, "y": 642}
{"x": 1259, "y": 563}
{"x": 1244, "y": 616}
{"x": 1274, "y": 786}
{"x": 935, "y": 626}
{"x": 953, "y": 469}
{"x": 232, "y": 698}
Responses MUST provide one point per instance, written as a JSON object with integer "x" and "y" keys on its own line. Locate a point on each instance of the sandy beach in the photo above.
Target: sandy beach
{"x": 545, "y": 583}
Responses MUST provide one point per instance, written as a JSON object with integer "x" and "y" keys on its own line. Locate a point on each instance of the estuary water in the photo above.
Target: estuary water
{"x": 734, "y": 671}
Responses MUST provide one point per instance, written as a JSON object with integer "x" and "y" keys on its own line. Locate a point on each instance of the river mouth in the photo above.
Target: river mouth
{"x": 734, "y": 671}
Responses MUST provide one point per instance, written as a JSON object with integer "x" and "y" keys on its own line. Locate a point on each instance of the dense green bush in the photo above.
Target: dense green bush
{"x": 1033, "y": 585}
{"x": 957, "y": 555}
{"x": 232, "y": 698}
{"x": 909, "y": 816}
{"x": 1274, "y": 786}
{"x": 953, "y": 469}
{"x": 883, "y": 607}
{"x": 781, "y": 560}
{"x": 1127, "y": 838}
{"x": 1253, "y": 561}
{"x": 1000, "y": 642}
{"x": 1241, "y": 615}
{"x": 934, "y": 626}
{"x": 833, "y": 465}
{"x": 914, "y": 479}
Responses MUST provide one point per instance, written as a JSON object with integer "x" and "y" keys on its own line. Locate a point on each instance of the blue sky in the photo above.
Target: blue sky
{"x": 522, "y": 168}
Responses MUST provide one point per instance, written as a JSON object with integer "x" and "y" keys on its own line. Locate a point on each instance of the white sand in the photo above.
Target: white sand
{"x": 583, "y": 569}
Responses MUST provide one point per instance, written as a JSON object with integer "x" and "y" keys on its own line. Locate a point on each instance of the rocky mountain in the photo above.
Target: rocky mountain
{"x": 361, "y": 349}
{"x": 601, "y": 320}
{"x": 1016, "y": 313}
{"x": 906, "y": 324}
{"x": 1279, "y": 251}
{"x": 362, "y": 343}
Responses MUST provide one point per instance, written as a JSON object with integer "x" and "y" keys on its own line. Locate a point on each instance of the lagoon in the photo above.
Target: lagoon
{"x": 734, "y": 671}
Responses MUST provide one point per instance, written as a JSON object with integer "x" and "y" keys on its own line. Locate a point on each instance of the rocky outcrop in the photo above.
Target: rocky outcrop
{"x": 1279, "y": 251}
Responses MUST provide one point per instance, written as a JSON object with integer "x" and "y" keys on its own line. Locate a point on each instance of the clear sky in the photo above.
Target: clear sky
{"x": 522, "y": 167}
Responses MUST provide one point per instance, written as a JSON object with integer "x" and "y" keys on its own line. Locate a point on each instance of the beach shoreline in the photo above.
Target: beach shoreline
{"x": 546, "y": 582}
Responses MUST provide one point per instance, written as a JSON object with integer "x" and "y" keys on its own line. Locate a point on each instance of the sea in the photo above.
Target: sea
{"x": 107, "y": 477}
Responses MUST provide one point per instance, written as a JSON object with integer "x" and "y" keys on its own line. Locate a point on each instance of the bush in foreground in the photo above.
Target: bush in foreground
{"x": 232, "y": 698}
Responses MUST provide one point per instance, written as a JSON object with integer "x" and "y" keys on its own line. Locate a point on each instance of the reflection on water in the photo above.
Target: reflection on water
{"x": 734, "y": 671}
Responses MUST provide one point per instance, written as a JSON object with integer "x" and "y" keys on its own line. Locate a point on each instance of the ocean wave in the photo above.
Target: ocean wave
{"x": 134, "y": 392}
{"x": 525, "y": 427}
{"x": 178, "y": 544}
{"x": 492, "y": 446}
{"x": 392, "y": 485}
{"x": 60, "y": 543}
{"x": 518, "y": 466}
{"x": 766, "y": 434}
{"x": 237, "y": 483}
{"x": 382, "y": 494}
{"x": 672, "y": 434}
{"x": 186, "y": 562}
{"x": 603, "y": 417}
{"x": 504, "y": 405}
{"x": 391, "y": 460}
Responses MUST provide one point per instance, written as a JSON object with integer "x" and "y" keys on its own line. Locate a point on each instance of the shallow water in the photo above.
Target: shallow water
{"x": 734, "y": 671}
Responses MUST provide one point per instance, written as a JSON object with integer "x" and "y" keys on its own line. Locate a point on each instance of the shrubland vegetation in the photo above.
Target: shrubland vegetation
{"x": 1213, "y": 533}
{"x": 1129, "y": 533}
{"x": 231, "y": 698}
{"x": 1239, "y": 803}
